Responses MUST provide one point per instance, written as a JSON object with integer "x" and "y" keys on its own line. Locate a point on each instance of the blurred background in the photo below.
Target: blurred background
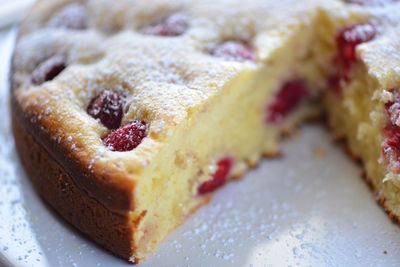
{"x": 11, "y": 11}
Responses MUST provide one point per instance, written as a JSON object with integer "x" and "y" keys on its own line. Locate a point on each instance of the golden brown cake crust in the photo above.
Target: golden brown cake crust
{"x": 109, "y": 229}
{"x": 90, "y": 212}
{"x": 112, "y": 230}
{"x": 115, "y": 194}
{"x": 380, "y": 199}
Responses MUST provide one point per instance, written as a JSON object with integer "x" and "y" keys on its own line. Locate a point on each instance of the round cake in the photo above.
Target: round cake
{"x": 129, "y": 114}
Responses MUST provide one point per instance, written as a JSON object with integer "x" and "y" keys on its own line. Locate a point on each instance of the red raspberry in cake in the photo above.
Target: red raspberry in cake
{"x": 393, "y": 136}
{"x": 219, "y": 178}
{"x": 48, "y": 70}
{"x": 288, "y": 98}
{"x": 391, "y": 145}
{"x": 348, "y": 39}
{"x": 334, "y": 83}
{"x": 393, "y": 111}
{"x": 107, "y": 107}
{"x": 72, "y": 16}
{"x": 127, "y": 137}
{"x": 174, "y": 25}
{"x": 234, "y": 50}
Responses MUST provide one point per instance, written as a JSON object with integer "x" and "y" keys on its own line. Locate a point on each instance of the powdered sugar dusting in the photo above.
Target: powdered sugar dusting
{"x": 165, "y": 77}
{"x": 296, "y": 216}
{"x": 395, "y": 114}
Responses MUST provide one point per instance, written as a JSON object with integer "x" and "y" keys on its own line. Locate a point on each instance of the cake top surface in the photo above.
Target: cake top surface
{"x": 381, "y": 54}
{"x": 166, "y": 57}
{"x": 165, "y": 77}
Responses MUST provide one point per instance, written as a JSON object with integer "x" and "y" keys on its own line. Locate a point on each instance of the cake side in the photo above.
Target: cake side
{"x": 362, "y": 104}
{"x": 112, "y": 230}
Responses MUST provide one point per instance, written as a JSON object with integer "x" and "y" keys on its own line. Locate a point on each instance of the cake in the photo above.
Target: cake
{"x": 128, "y": 115}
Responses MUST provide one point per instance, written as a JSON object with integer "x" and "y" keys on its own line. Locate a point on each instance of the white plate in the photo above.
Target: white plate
{"x": 300, "y": 210}
{"x": 12, "y": 11}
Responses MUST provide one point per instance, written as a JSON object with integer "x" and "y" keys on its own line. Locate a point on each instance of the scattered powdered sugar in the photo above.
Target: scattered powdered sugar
{"x": 396, "y": 70}
{"x": 383, "y": 95}
{"x": 48, "y": 111}
{"x": 281, "y": 216}
{"x": 73, "y": 147}
{"x": 394, "y": 111}
{"x": 100, "y": 152}
{"x": 158, "y": 126}
{"x": 17, "y": 239}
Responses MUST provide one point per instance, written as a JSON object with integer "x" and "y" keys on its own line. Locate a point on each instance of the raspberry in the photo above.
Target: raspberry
{"x": 391, "y": 145}
{"x": 335, "y": 83}
{"x": 72, "y": 16}
{"x": 48, "y": 70}
{"x": 174, "y": 25}
{"x": 348, "y": 39}
{"x": 234, "y": 50}
{"x": 107, "y": 107}
{"x": 218, "y": 178}
{"x": 126, "y": 138}
{"x": 393, "y": 139}
{"x": 291, "y": 94}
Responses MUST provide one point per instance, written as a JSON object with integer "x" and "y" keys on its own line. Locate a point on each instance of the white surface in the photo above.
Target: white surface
{"x": 299, "y": 210}
{"x": 12, "y": 10}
